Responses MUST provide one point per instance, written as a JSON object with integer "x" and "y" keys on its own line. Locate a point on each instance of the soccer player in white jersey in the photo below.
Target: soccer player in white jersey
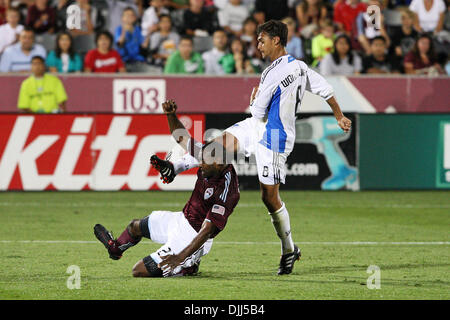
{"x": 270, "y": 132}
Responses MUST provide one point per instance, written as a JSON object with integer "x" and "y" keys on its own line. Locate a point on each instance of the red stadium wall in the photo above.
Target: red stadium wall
{"x": 141, "y": 94}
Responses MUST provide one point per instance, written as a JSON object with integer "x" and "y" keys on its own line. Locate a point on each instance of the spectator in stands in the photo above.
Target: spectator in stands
{"x": 310, "y": 15}
{"x": 129, "y": 40}
{"x": 184, "y": 60}
{"x": 61, "y": 13}
{"x": 345, "y": 14}
{"x": 198, "y": 21}
{"x": 41, "y": 17}
{"x": 404, "y": 38}
{"x": 294, "y": 43}
{"x": 422, "y": 59}
{"x": 236, "y": 61}
{"x": 150, "y": 17}
{"x": 232, "y": 16}
{"x": 342, "y": 61}
{"x": 41, "y": 92}
{"x": 4, "y": 5}
{"x": 212, "y": 57}
{"x": 163, "y": 42}
{"x": 367, "y": 31}
{"x": 17, "y": 57}
{"x": 10, "y": 31}
{"x": 266, "y": 10}
{"x": 115, "y": 10}
{"x": 429, "y": 15}
{"x": 64, "y": 59}
{"x": 379, "y": 61}
{"x": 248, "y": 36}
{"x": 323, "y": 43}
{"x": 104, "y": 58}
{"x": 88, "y": 18}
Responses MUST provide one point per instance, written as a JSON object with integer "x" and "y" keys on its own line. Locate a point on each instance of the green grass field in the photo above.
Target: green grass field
{"x": 406, "y": 234}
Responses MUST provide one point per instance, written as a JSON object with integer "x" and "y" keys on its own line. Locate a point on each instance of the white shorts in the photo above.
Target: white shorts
{"x": 174, "y": 231}
{"x": 270, "y": 164}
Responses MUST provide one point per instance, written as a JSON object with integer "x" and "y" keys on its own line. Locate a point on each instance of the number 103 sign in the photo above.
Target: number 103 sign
{"x": 138, "y": 96}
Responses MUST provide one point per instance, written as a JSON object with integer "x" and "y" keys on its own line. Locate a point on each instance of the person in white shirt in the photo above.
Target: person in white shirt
{"x": 150, "y": 18}
{"x": 430, "y": 15}
{"x": 232, "y": 17}
{"x": 212, "y": 57}
{"x": 9, "y": 32}
{"x": 270, "y": 133}
{"x": 17, "y": 57}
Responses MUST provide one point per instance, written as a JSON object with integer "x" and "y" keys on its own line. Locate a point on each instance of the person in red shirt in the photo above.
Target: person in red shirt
{"x": 187, "y": 235}
{"x": 103, "y": 58}
{"x": 345, "y": 13}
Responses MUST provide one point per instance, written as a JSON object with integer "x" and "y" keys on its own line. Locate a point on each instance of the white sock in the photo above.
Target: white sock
{"x": 280, "y": 220}
{"x": 185, "y": 163}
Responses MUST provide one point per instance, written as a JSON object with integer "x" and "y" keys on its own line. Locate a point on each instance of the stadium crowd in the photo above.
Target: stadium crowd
{"x": 219, "y": 36}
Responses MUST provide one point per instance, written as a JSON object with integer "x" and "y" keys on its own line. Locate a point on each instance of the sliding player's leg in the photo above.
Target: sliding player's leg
{"x": 129, "y": 238}
{"x": 173, "y": 231}
{"x": 271, "y": 173}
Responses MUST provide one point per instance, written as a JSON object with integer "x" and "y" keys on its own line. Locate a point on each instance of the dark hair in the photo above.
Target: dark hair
{"x": 378, "y": 38}
{"x": 106, "y": 34}
{"x": 249, "y": 19}
{"x": 13, "y": 9}
{"x": 335, "y": 54}
{"x": 41, "y": 59}
{"x": 274, "y": 28}
{"x": 129, "y": 9}
{"x": 186, "y": 37}
{"x": 165, "y": 16}
{"x": 28, "y": 29}
{"x": 431, "y": 53}
{"x": 58, "y": 49}
{"x": 220, "y": 30}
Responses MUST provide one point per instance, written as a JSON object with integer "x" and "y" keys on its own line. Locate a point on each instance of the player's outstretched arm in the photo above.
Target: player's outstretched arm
{"x": 172, "y": 261}
{"x": 177, "y": 129}
{"x": 343, "y": 121}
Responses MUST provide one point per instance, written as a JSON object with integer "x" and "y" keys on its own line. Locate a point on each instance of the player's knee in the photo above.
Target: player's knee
{"x": 271, "y": 200}
{"x": 147, "y": 267}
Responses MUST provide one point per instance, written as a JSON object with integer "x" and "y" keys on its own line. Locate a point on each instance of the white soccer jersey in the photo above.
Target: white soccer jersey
{"x": 279, "y": 95}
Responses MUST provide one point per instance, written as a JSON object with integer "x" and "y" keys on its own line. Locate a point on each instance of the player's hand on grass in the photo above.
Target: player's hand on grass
{"x": 345, "y": 123}
{"x": 169, "y": 107}
{"x": 170, "y": 262}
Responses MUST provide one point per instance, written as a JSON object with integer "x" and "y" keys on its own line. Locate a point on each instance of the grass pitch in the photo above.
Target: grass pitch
{"x": 405, "y": 234}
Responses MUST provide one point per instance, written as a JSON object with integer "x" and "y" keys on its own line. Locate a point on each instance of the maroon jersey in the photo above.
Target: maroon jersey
{"x": 213, "y": 199}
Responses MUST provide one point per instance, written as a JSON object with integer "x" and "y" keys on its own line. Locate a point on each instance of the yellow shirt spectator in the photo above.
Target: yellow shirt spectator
{"x": 42, "y": 95}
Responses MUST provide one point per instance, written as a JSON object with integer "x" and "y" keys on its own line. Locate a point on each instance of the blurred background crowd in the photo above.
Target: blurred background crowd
{"x": 219, "y": 36}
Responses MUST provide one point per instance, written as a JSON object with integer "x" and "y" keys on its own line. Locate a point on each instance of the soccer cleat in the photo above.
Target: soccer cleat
{"x": 164, "y": 167}
{"x": 190, "y": 271}
{"x": 105, "y": 237}
{"x": 287, "y": 261}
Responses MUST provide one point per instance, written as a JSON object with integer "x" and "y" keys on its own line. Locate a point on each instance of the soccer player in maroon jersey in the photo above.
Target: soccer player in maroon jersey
{"x": 187, "y": 235}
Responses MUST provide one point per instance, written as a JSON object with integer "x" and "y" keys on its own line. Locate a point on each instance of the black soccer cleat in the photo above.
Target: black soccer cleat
{"x": 164, "y": 167}
{"x": 105, "y": 237}
{"x": 287, "y": 261}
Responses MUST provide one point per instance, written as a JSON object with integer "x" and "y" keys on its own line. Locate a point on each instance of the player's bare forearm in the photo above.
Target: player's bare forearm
{"x": 343, "y": 121}
{"x": 203, "y": 235}
{"x": 172, "y": 261}
{"x": 177, "y": 129}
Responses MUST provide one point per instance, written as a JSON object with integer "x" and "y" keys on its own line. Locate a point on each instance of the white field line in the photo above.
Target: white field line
{"x": 327, "y": 243}
{"x": 181, "y": 205}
